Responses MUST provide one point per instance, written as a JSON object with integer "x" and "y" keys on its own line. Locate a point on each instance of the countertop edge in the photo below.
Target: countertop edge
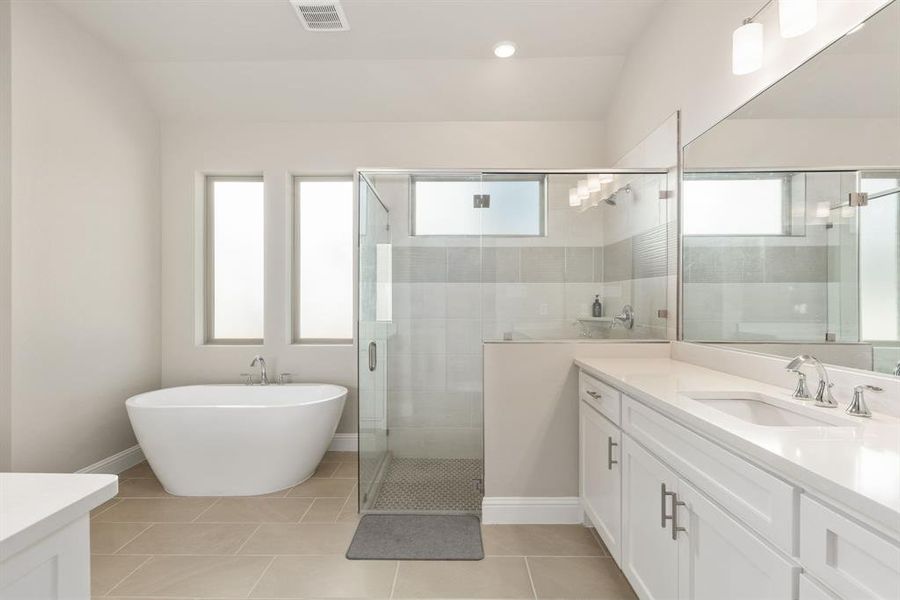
{"x": 861, "y": 507}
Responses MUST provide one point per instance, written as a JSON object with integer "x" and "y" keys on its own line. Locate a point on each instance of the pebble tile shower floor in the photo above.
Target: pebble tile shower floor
{"x": 430, "y": 485}
{"x": 291, "y": 544}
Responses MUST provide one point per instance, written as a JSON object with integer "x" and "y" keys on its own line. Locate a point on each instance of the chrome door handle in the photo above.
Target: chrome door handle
{"x": 674, "y": 517}
{"x": 609, "y": 459}
{"x": 593, "y": 394}
{"x": 373, "y": 356}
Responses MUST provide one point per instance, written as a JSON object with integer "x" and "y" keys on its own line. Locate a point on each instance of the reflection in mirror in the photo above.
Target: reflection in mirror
{"x": 790, "y": 215}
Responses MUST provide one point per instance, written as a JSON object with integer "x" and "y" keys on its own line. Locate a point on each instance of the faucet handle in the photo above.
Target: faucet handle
{"x": 285, "y": 378}
{"x": 248, "y": 378}
{"x": 858, "y": 407}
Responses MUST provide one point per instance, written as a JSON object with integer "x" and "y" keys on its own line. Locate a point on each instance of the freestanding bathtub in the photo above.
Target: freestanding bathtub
{"x": 235, "y": 440}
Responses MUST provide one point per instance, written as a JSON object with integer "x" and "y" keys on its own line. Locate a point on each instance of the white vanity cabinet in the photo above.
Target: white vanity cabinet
{"x": 601, "y": 481}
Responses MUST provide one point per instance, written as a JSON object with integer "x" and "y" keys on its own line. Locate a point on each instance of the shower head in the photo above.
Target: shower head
{"x": 611, "y": 199}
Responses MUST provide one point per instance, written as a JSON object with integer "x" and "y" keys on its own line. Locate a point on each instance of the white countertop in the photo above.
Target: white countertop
{"x": 855, "y": 463}
{"x": 33, "y": 505}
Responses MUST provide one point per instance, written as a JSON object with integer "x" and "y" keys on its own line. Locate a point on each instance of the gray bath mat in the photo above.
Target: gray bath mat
{"x": 417, "y": 537}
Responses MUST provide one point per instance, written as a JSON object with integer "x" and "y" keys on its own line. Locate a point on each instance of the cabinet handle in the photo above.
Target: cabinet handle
{"x": 609, "y": 459}
{"x": 674, "y": 518}
{"x": 663, "y": 516}
{"x": 593, "y": 394}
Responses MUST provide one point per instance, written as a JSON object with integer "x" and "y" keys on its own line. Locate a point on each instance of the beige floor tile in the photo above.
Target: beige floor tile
{"x": 347, "y": 470}
{"x": 256, "y": 510}
{"x": 108, "y": 571}
{"x": 493, "y": 577}
{"x": 348, "y": 516}
{"x": 326, "y": 469}
{"x": 107, "y": 538}
{"x": 194, "y": 577}
{"x": 141, "y": 488}
{"x": 323, "y": 488}
{"x": 539, "y": 540}
{"x": 190, "y": 538}
{"x": 326, "y": 577}
{"x": 585, "y": 578}
{"x": 104, "y": 506}
{"x": 324, "y": 510}
{"x": 139, "y": 471}
{"x": 332, "y": 456}
{"x": 319, "y": 539}
{"x": 155, "y": 510}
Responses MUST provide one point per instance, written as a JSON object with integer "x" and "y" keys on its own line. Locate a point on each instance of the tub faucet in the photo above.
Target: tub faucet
{"x": 823, "y": 393}
{"x": 263, "y": 377}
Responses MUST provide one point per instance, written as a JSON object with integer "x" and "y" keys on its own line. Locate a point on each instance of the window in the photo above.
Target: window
{"x": 234, "y": 265}
{"x": 323, "y": 260}
{"x": 736, "y": 204}
{"x": 442, "y": 205}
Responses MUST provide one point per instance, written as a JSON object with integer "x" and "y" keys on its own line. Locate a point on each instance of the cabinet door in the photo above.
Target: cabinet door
{"x": 649, "y": 554}
{"x": 601, "y": 477}
{"x": 719, "y": 558}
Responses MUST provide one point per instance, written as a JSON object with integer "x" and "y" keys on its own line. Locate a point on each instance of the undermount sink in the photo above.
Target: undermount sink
{"x": 754, "y": 408}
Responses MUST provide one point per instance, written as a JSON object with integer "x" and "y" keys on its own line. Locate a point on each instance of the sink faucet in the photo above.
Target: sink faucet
{"x": 263, "y": 376}
{"x": 823, "y": 393}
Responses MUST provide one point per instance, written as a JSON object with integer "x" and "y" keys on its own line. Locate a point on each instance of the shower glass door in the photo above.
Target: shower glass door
{"x": 374, "y": 321}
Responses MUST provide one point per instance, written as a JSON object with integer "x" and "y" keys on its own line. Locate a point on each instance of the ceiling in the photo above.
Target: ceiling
{"x": 402, "y": 60}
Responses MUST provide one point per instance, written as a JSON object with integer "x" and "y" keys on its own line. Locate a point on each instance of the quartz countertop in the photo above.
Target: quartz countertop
{"x": 854, "y": 461}
{"x": 33, "y": 505}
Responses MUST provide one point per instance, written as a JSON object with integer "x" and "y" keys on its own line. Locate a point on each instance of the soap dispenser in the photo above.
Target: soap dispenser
{"x": 597, "y": 308}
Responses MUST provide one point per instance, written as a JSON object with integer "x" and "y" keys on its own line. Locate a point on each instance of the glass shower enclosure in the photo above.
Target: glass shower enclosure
{"x": 450, "y": 260}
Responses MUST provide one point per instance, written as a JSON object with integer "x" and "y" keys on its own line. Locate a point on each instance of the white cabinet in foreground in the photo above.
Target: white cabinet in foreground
{"x": 601, "y": 476}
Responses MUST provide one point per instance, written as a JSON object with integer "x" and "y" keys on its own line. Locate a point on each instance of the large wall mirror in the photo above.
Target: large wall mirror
{"x": 791, "y": 211}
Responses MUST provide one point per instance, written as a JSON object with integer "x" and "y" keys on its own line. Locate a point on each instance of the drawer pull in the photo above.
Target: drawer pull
{"x": 593, "y": 394}
{"x": 609, "y": 459}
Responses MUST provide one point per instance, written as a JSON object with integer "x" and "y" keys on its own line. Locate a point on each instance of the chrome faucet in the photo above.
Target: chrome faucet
{"x": 263, "y": 376}
{"x": 823, "y": 393}
{"x": 626, "y": 317}
{"x": 858, "y": 406}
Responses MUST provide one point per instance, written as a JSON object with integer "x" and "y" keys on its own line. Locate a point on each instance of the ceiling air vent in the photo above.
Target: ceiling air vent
{"x": 321, "y": 15}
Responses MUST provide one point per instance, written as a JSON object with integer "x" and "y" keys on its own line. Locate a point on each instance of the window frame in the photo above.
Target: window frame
{"x": 787, "y": 221}
{"x": 541, "y": 178}
{"x": 294, "y": 262}
{"x": 209, "y": 256}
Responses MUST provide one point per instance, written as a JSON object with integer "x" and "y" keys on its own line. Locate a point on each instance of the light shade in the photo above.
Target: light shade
{"x": 504, "y": 49}
{"x": 595, "y": 183}
{"x": 747, "y": 48}
{"x": 574, "y": 199}
{"x": 796, "y": 17}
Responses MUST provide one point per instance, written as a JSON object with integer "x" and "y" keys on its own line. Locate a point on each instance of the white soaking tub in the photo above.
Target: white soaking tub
{"x": 235, "y": 440}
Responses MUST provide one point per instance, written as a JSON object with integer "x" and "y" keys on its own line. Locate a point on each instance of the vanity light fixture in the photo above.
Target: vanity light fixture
{"x": 574, "y": 199}
{"x": 595, "y": 183}
{"x": 796, "y": 17}
{"x": 504, "y": 49}
{"x": 583, "y": 191}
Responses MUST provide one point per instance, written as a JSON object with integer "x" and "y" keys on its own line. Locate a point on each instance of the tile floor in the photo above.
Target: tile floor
{"x": 291, "y": 544}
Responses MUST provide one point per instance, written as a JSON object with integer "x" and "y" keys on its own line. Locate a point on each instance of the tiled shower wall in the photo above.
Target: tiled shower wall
{"x": 451, "y": 293}
{"x": 798, "y": 287}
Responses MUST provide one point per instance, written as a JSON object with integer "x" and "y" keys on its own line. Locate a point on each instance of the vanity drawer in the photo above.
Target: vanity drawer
{"x": 849, "y": 558}
{"x": 604, "y": 398}
{"x": 763, "y": 502}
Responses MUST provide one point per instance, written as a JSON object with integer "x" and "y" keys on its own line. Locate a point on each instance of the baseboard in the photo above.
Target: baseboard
{"x": 497, "y": 510}
{"x": 344, "y": 442}
{"x": 116, "y": 463}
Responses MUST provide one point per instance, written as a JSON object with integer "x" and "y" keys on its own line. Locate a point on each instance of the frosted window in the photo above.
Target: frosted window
{"x": 446, "y": 206}
{"x": 752, "y": 206}
{"x": 324, "y": 247}
{"x": 237, "y": 227}
{"x": 880, "y": 262}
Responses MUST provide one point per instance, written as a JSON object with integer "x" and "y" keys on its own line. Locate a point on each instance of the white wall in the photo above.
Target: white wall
{"x": 683, "y": 61}
{"x": 85, "y": 244}
{"x": 5, "y": 155}
{"x": 280, "y": 149}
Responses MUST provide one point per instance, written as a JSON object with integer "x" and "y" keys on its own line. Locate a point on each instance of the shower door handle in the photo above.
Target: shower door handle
{"x": 373, "y": 356}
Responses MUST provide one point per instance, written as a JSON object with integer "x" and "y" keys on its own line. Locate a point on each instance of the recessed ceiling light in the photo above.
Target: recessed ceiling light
{"x": 504, "y": 49}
